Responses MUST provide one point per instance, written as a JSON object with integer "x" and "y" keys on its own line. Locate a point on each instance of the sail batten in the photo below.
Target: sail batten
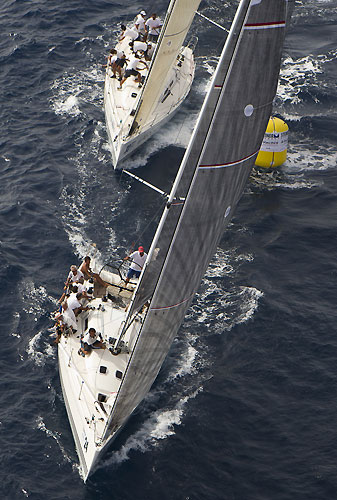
{"x": 212, "y": 177}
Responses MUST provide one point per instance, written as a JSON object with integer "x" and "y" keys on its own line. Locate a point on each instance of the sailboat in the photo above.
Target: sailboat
{"x": 138, "y": 322}
{"x": 134, "y": 114}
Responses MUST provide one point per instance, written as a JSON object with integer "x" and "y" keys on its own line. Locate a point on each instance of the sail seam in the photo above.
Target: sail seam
{"x": 173, "y": 305}
{"x": 175, "y": 34}
{"x": 229, "y": 164}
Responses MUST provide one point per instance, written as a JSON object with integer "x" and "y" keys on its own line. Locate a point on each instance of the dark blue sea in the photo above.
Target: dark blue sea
{"x": 245, "y": 406}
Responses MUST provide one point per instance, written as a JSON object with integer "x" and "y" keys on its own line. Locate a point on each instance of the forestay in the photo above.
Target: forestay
{"x": 211, "y": 180}
{"x": 177, "y": 22}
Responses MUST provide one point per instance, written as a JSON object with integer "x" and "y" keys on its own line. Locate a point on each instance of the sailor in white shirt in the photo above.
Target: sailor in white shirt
{"x": 112, "y": 58}
{"x": 90, "y": 341}
{"x": 74, "y": 303}
{"x": 74, "y": 275}
{"x": 130, "y": 32}
{"x": 152, "y": 26}
{"x": 133, "y": 69}
{"x": 140, "y": 23}
{"x": 82, "y": 288}
{"x": 138, "y": 260}
{"x": 139, "y": 46}
{"x": 68, "y": 316}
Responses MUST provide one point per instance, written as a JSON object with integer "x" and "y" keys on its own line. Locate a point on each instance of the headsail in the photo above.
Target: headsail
{"x": 209, "y": 184}
{"x": 177, "y": 22}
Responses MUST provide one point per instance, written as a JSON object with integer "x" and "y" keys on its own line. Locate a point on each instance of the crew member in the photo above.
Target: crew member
{"x": 152, "y": 26}
{"x": 132, "y": 69}
{"x": 91, "y": 341}
{"x": 138, "y": 259}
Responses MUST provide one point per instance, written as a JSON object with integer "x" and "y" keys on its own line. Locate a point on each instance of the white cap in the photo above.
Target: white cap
{"x": 143, "y": 13}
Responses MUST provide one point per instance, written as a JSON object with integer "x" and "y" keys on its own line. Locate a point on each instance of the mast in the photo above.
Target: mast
{"x": 177, "y": 22}
{"x": 210, "y": 182}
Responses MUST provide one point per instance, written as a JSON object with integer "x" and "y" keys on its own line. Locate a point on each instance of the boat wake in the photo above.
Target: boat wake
{"x": 188, "y": 362}
{"x": 176, "y": 133}
{"x": 159, "y": 426}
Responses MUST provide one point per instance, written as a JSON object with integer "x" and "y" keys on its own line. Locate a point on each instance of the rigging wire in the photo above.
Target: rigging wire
{"x": 213, "y": 22}
{"x": 139, "y": 235}
{"x": 160, "y": 209}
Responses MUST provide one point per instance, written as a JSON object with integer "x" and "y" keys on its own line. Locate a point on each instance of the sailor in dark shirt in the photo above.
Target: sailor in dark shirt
{"x": 120, "y": 63}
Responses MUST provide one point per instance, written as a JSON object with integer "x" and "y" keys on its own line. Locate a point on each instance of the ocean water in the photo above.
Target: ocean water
{"x": 245, "y": 406}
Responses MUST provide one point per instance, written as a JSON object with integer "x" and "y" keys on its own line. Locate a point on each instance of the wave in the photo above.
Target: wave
{"x": 158, "y": 427}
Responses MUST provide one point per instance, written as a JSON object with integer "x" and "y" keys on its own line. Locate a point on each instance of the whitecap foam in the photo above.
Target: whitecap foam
{"x": 38, "y": 350}
{"x": 250, "y": 297}
{"x": 85, "y": 38}
{"x": 33, "y": 350}
{"x": 33, "y": 298}
{"x": 73, "y": 88}
{"x": 295, "y": 75}
{"x": 68, "y": 107}
{"x": 304, "y": 157}
{"x": 219, "y": 308}
{"x": 286, "y": 178}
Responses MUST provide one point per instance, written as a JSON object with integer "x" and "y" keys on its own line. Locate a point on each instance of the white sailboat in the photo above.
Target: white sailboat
{"x": 134, "y": 114}
{"x": 138, "y": 324}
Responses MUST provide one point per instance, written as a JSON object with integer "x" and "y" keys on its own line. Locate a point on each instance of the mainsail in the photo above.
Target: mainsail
{"x": 177, "y": 22}
{"x": 209, "y": 184}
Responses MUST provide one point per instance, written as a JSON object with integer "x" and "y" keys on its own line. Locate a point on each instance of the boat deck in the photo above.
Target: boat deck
{"x": 90, "y": 382}
{"x": 120, "y": 105}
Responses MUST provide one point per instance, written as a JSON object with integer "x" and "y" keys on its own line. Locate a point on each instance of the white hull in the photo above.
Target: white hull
{"x": 89, "y": 394}
{"x": 119, "y": 106}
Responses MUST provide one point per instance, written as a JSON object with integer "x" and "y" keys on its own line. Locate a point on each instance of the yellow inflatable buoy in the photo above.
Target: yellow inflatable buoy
{"x": 273, "y": 151}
